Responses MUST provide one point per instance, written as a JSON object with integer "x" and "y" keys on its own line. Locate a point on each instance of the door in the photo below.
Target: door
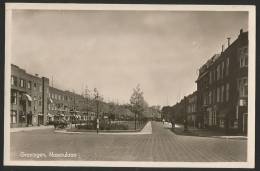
{"x": 245, "y": 123}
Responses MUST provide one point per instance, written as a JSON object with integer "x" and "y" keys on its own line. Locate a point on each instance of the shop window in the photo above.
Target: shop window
{"x": 21, "y": 117}
{"x": 221, "y": 123}
{"x": 13, "y": 117}
{"x": 214, "y": 118}
{"x": 13, "y": 97}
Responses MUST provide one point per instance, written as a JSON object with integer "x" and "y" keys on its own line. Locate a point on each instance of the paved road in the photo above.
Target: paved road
{"x": 161, "y": 145}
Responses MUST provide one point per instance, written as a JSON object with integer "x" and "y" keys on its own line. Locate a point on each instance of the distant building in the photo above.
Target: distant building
{"x": 192, "y": 110}
{"x": 222, "y": 88}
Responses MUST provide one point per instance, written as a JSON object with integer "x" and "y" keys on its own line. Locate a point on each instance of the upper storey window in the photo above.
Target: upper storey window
{"x": 243, "y": 57}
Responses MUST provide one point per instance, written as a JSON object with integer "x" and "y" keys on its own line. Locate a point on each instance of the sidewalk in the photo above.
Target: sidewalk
{"x": 31, "y": 128}
{"x": 179, "y": 130}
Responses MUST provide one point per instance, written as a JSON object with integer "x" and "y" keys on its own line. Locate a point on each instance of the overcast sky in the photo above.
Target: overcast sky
{"x": 115, "y": 50}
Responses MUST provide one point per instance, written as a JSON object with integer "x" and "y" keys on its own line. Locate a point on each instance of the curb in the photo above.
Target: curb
{"x": 29, "y": 129}
{"x": 139, "y": 132}
{"x": 220, "y": 137}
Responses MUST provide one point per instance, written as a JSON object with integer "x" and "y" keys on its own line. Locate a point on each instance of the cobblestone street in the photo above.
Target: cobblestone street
{"x": 161, "y": 145}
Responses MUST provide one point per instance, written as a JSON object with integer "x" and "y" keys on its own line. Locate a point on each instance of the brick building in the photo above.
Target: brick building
{"x": 28, "y": 98}
{"x": 222, "y": 88}
{"x": 34, "y": 102}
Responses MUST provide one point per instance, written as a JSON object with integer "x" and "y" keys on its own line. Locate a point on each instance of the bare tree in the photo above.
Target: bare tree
{"x": 138, "y": 103}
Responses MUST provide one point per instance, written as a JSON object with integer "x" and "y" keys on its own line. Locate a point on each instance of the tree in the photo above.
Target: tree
{"x": 137, "y": 102}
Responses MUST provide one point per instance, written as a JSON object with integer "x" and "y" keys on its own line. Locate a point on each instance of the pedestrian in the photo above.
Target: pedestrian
{"x": 173, "y": 123}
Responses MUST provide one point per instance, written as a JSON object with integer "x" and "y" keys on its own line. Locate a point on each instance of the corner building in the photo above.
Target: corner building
{"x": 28, "y": 98}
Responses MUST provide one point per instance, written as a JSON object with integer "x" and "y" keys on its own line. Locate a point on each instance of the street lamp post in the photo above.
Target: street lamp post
{"x": 185, "y": 114}
{"x": 97, "y": 102}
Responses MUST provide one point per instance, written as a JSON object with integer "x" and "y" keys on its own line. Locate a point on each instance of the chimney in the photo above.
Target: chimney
{"x": 228, "y": 41}
{"x": 241, "y": 31}
{"x": 222, "y": 49}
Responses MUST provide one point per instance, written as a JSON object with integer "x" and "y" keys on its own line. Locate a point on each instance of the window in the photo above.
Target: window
{"x": 14, "y": 97}
{"x": 40, "y": 101}
{"x": 40, "y": 88}
{"x": 13, "y": 116}
{"x": 210, "y": 97}
{"x": 221, "y": 123}
{"x": 243, "y": 61}
{"x": 22, "y": 83}
{"x": 14, "y": 80}
{"x": 222, "y": 69}
{"x": 218, "y": 94}
{"x": 243, "y": 87}
{"x": 210, "y": 77}
{"x": 214, "y": 118}
{"x": 227, "y": 92}
{"x": 34, "y": 86}
{"x": 227, "y": 66}
{"x": 222, "y": 93}
{"x": 205, "y": 99}
{"x": 218, "y": 72}
{"x": 29, "y": 84}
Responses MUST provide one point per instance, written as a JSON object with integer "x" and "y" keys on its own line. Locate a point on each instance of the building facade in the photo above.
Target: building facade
{"x": 34, "y": 102}
{"x": 28, "y": 98}
{"x": 222, "y": 88}
{"x": 192, "y": 110}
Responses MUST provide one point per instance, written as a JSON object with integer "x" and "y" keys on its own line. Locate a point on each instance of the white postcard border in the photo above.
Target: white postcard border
{"x": 251, "y": 88}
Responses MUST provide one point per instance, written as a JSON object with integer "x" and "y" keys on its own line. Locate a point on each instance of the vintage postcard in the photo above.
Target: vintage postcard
{"x": 130, "y": 85}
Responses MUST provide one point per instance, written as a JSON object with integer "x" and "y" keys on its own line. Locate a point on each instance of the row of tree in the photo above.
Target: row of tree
{"x": 137, "y": 109}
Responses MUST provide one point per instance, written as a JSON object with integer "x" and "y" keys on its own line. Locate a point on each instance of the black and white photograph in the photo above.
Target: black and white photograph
{"x": 129, "y": 85}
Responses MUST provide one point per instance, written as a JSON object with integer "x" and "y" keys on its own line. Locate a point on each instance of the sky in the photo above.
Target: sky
{"x": 114, "y": 51}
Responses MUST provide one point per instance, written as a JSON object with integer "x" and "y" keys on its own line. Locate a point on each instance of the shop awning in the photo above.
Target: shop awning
{"x": 40, "y": 114}
{"x": 50, "y": 100}
{"x": 29, "y": 98}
